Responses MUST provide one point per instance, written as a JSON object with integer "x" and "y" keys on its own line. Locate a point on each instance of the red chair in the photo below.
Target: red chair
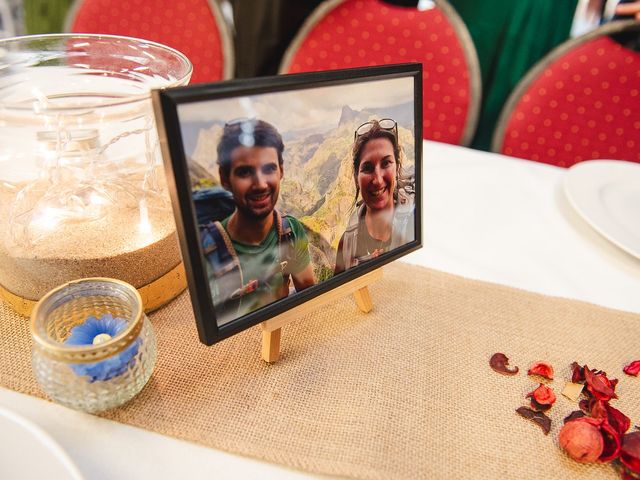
{"x": 194, "y": 27}
{"x": 357, "y": 33}
{"x": 581, "y": 102}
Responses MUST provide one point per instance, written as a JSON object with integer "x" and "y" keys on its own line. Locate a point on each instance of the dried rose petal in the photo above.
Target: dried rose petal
{"x": 544, "y": 369}
{"x": 626, "y": 474}
{"x": 539, "y": 407}
{"x": 539, "y": 418}
{"x": 581, "y": 440}
{"x": 633, "y": 368}
{"x": 630, "y": 451}
{"x": 599, "y": 385}
{"x": 612, "y": 442}
{"x": 618, "y": 420}
{"x": 577, "y": 373}
{"x": 543, "y": 395}
{"x": 500, "y": 363}
{"x": 574, "y": 415}
{"x": 585, "y": 406}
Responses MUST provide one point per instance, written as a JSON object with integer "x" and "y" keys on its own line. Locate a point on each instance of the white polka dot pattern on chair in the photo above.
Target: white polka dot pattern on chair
{"x": 186, "y": 25}
{"x": 584, "y": 105}
{"x": 358, "y": 33}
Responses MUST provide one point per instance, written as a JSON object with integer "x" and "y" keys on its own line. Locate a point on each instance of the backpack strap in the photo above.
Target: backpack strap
{"x": 224, "y": 265}
{"x": 286, "y": 246}
{"x": 403, "y": 220}
{"x": 402, "y": 232}
{"x": 286, "y": 243}
{"x": 219, "y": 250}
{"x": 350, "y": 238}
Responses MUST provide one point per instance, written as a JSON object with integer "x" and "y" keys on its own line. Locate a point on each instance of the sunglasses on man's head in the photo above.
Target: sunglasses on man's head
{"x": 247, "y": 129}
{"x": 387, "y": 124}
{"x": 240, "y": 121}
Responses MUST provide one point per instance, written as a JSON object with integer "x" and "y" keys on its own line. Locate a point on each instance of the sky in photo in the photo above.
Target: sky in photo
{"x": 302, "y": 109}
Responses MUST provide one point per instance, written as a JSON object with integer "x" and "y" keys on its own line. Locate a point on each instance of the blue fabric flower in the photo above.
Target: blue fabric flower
{"x": 85, "y": 334}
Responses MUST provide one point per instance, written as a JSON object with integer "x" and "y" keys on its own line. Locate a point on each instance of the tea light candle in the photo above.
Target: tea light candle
{"x": 93, "y": 346}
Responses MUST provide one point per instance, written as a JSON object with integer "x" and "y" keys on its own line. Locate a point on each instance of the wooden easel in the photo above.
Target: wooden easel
{"x": 272, "y": 328}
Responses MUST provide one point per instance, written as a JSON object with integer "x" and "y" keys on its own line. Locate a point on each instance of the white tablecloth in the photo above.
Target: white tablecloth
{"x": 486, "y": 216}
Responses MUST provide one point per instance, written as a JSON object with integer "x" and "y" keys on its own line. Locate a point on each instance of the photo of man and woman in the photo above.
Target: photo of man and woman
{"x": 292, "y": 188}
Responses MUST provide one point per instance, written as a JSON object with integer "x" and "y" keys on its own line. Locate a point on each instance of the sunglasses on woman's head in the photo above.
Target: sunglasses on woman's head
{"x": 387, "y": 124}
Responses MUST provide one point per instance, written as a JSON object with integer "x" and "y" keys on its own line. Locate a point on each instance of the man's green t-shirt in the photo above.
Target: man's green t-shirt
{"x": 263, "y": 263}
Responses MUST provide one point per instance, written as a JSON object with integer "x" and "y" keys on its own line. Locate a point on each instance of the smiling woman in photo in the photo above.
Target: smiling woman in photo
{"x": 383, "y": 218}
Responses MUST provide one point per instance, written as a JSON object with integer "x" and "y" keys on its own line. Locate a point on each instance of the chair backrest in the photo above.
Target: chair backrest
{"x": 358, "y": 33}
{"x": 580, "y": 102}
{"x": 7, "y": 24}
{"x": 193, "y": 27}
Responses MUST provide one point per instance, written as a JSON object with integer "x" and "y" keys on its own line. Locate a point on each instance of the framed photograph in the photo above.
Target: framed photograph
{"x": 286, "y": 187}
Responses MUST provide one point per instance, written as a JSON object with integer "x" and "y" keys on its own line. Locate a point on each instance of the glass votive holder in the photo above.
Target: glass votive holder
{"x": 93, "y": 346}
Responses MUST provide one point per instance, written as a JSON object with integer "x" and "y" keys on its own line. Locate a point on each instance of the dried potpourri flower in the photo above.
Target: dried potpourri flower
{"x": 612, "y": 442}
{"x": 500, "y": 363}
{"x": 630, "y": 453}
{"x": 602, "y": 409}
{"x": 633, "y": 368}
{"x": 610, "y": 423}
{"x": 618, "y": 420}
{"x": 538, "y": 418}
{"x": 542, "y": 398}
{"x": 544, "y": 369}
{"x": 599, "y": 385}
{"x": 597, "y": 382}
{"x": 581, "y": 440}
{"x": 577, "y": 373}
{"x": 581, "y": 444}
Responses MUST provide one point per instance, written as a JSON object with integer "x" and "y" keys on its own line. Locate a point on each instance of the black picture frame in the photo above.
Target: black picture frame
{"x": 166, "y": 105}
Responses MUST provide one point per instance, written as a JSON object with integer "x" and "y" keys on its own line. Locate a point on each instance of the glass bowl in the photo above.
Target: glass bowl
{"x": 82, "y": 189}
{"x": 93, "y": 346}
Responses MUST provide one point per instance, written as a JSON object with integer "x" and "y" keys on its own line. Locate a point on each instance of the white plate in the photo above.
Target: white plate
{"x": 607, "y": 194}
{"x": 28, "y": 453}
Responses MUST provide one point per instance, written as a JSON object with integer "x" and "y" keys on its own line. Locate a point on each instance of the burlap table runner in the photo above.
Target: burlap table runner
{"x": 402, "y": 392}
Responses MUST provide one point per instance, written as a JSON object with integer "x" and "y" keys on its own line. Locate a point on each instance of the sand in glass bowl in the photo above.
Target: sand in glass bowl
{"x": 82, "y": 189}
